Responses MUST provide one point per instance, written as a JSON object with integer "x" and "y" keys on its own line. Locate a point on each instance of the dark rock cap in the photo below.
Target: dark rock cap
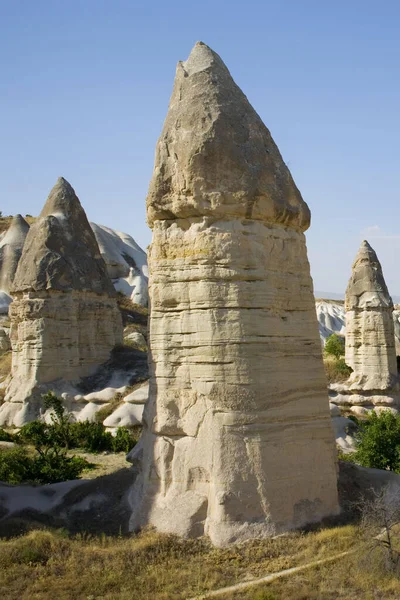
{"x": 367, "y": 286}
{"x": 61, "y": 252}
{"x": 215, "y": 157}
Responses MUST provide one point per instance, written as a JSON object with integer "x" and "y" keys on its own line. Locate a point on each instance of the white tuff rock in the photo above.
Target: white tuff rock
{"x": 238, "y": 441}
{"x": 64, "y": 316}
{"x": 370, "y": 339}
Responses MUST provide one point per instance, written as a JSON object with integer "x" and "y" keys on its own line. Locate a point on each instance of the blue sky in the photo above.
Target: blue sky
{"x": 85, "y": 85}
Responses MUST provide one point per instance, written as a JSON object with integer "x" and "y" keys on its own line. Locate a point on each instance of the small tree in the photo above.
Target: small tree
{"x": 379, "y": 525}
{"x": 335, "y": 345}
{"x": 378, "y": 441}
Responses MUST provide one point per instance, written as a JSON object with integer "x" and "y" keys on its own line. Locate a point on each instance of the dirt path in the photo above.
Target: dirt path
{"x": 268, "y": 578}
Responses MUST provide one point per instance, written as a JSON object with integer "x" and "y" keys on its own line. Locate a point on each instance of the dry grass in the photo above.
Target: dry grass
{"x": 332, "y": 301}
{"x": 350, "y": 578}
{"x": 5, "y": 364}
{"x": 332, "y": 371}
{"x": 43, "y": 565}
{"x": 6, "y": 221}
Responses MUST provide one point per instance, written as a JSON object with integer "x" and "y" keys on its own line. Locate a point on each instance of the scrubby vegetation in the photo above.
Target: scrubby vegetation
{"x": 336, "y": 369}
{"x": 41, "y": 454}
{"x": 378, "y": 441}
{"x": 335, "y": 345}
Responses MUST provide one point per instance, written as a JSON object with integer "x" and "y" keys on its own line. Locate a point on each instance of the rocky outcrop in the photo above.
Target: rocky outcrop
{"x": 238, "y": 440}
{"x": 11, "y": 245}
{"x": 126, "y": 262}
{"x": 331, "y": 318}
{"x": 64, "y": 316}
{"x": 370, "y": 339}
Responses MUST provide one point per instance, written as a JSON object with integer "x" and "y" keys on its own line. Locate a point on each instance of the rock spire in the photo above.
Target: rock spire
{"x": 238, "y": 441}
{"x": 64, "y": 316}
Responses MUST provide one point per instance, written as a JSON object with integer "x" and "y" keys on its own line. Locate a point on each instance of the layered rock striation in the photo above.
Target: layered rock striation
{"x": 238, "y": 440}
{"x": 370, "y": 338}
{"x": 64, "y": 316}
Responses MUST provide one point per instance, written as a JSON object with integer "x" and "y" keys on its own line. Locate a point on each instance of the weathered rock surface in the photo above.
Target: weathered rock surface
{"x": 11, "y": 245}
{"x": 331, "y": 318}
{"x": 370, "y": 339}
{"x": 64, "y": 316}
{"x": 126, "y": 262}
{"x": 238, "y": 440}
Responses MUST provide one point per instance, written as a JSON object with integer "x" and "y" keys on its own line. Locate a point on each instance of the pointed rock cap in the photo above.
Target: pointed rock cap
{"x": 367, "y": 286}
{"x": 215, "y": 157}
{"x": 60, "y": 251}
{"x": 11, "y": 246}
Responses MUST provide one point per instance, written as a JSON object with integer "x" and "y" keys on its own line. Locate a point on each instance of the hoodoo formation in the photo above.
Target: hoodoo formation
{"x": 370, "y": 338}
{"x": 64, "y": 316}
{"x": 238, "y": 441}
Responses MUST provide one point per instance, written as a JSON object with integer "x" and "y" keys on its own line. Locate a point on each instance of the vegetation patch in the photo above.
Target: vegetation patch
{"x": 336, "y": 369}
{"x": 42, "y": 452}
{"x": 150, "y": 566}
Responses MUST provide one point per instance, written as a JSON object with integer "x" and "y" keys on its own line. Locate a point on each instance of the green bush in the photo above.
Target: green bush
{"x": 5, "y": 436}
{"x": 91, "y": 437}
{"x": 18, "y": 466}
{"x": 123, "y": 441}
{"x": 15, "y": 465}
{"x": 335, "y": 345}
{"x": 342, "y": 368}
{"x": 378, "y": 441}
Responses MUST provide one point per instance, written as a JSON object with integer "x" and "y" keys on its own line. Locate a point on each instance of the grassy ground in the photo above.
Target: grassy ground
{"x": 43, "y": 565}
{"x": 106, "y": 462}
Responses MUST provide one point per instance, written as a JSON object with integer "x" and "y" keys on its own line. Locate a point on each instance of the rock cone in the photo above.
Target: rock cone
{"x": 370, "y": 338}
{"x": 238, "y": 441}
{"x": 64, "y": 316}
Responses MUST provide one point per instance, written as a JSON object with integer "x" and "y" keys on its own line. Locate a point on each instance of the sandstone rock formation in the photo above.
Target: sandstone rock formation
{"x": 64, "y": 316}
{"x": 11, "y": 245}
{"x": 126, "y": 262}
{"x": 370, "y": 339}
{"x": 238, "y": 440}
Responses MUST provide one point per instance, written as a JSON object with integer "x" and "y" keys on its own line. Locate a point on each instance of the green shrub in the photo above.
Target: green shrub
{"x": 91, "y": 437}
{"x": 124, "y": 440}
{"x": 18, "y": 466}
{"x": 335, "y": 345}
{"x": 54, "y": 467}
{"x": 5, "y": 436}
{"x": 378, "y": 441}
{"x": 342, "y": 368}
{"x": 15, "y": 465}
